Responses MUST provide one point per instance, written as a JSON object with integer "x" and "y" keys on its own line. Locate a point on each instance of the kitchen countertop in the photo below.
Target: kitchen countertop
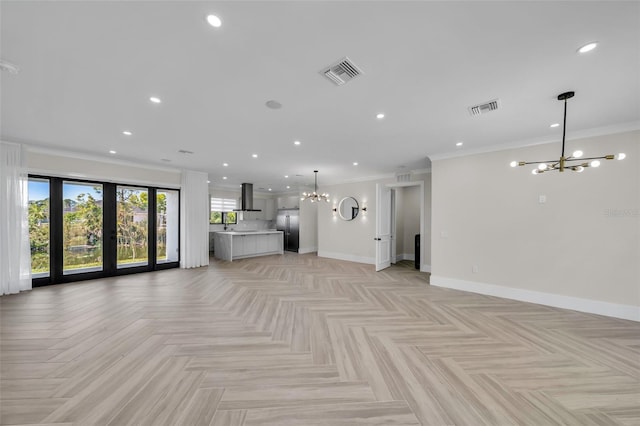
{"x": 266, "y": 231}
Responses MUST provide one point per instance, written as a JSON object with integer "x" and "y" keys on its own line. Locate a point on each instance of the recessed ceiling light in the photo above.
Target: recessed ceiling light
{"x": 355, "y": 163}
{"x": 155, "y": 99}
{"x": 273, "y": 104}
{"x": 269, "y": 189}
{"x": 459, "y": 144}
{"x": 127, "y": 133}
{"x": 588, "y": 47}
{"x": 225, "y": 164}
{"x": 286, "y": 176}
{"x": 214, "y": 21}
{"x": 208, "y": 181}
{"x": 296, "y": 142}
{"x": 554, "y": 125}
{"x": 254, "y": 155}
{"x": 112, "y": 152}
{"x": 288, "y": 187}
{"x": 380, "y": 116}
{"x": 224, "y": 178}
{"x": 9, "y": 67}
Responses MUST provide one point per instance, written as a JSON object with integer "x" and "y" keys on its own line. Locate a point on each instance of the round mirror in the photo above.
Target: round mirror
{"x": 348, "y": 208}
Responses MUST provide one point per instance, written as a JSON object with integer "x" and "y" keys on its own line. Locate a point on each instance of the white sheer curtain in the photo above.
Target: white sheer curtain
{"x": 194, "y": 218}
{"x": 15, "y": 255}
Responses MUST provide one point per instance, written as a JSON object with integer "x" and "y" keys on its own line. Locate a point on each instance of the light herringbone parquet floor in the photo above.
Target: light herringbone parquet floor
{"x": 297, "y": 339}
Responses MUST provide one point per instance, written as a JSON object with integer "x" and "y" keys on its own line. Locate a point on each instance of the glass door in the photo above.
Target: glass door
{"x": 82, "y": 230}
{"x": 82, "y": 217}
{"x": 39, "y": 227}
{"x": 132, "y": 213}
{"x": 167, "y": 226}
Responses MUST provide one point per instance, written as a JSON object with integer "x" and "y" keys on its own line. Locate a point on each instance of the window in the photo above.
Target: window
{"x": 222, "y": 211}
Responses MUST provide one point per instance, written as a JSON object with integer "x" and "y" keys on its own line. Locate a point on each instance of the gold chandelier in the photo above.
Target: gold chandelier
{"x": 314, "y": 196}
{"x": 573, "y": 162}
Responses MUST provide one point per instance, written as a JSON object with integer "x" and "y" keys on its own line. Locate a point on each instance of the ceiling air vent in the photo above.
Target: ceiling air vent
{"x": 342, "y": 71}
{"x": 484, "y": 107}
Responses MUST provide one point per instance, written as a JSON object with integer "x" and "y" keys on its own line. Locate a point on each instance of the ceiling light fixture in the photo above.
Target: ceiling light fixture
{"x": 155, "y": 99}
{"x": 314, "y": 196}
{"x": 224, "y": 178}
{"x": 127, "y": 133}
{"x": 112, "y": 152}
{"x": 225, "y": 164}
{"x": 459, "y": 144}
{"x": 9, "y": 67}
{"x": 273, "y": 104}
{"x": 355, "y": 163}
{"x": 554, "y": 125}
{"x": 214, "y": 21}
{"x": 380, "y": 116}
{"x": 296, "y": 142}
{"x": 288, "y": 187}
{"x": 286, "y": 176}
{"x": 254, "y": 155}
{"x": 570, "y": 161}
{"x": 588, "y": 47}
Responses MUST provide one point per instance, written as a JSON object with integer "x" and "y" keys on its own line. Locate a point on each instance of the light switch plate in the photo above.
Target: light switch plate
{"x": 542, "y": 199}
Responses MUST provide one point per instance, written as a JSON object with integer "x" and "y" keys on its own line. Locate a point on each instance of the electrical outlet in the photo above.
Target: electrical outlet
{"x": 474, "y": 269}
{"x": 542, "y": 199}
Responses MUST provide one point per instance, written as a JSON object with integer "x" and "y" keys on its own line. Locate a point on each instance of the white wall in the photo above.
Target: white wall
{"x": 107, "y": 170}
{"x": 583, "y": 243}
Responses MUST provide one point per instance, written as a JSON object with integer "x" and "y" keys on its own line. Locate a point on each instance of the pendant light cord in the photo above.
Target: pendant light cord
{"x": 564, "y": 125}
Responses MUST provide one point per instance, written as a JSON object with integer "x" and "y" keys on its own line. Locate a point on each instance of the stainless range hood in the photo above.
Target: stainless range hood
{"x": 246, "y": 202}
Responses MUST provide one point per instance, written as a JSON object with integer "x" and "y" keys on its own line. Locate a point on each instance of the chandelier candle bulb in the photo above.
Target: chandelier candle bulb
{"x": 621, "y": 156}
{"x": 577, "y": 154}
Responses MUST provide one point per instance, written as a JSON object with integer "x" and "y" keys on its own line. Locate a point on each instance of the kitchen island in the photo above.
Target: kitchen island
{"x": 231, "y": 245}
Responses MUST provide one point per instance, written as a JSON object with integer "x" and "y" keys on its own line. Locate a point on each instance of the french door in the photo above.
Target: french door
{"x": 85, "y": 229}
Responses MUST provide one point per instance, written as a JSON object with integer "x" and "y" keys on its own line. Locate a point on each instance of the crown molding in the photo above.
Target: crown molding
{"x": 580, "y": 134}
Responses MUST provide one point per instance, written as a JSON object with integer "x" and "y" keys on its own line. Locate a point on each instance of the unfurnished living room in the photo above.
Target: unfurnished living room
{"x": 319, "y": 213}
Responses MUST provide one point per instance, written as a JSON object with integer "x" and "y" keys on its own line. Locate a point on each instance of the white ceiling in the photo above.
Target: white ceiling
{"x": 88, "y": 69}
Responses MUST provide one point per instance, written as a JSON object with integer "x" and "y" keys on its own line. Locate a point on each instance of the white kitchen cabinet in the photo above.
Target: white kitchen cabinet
{"x": 250, "y": 244}
{"x": 237, "y": 248}
{"x": 232, "y": 245}
{"x": 291, "y": 202}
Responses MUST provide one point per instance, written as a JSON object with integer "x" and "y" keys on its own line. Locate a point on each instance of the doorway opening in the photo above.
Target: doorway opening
{"x": 400, "y": 218}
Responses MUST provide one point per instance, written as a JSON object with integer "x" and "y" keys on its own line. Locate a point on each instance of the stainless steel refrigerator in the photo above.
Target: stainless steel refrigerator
{"x": 288, "y": 221}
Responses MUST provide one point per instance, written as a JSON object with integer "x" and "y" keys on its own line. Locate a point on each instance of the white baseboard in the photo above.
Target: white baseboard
{"x": 347, "y": 257}
{"x": 608, "y": 309}
{"x": 425, "y": 268}
{"x": 303, "y": 250}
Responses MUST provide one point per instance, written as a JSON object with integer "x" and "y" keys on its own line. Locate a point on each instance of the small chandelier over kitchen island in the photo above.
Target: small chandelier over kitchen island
{"x": 314, "y": 196}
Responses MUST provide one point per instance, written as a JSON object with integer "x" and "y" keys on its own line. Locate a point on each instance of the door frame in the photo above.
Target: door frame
{"x": 422, "y": 227}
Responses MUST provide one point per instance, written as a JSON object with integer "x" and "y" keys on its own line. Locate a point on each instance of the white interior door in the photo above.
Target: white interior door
{"x": 383, "y": 227}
